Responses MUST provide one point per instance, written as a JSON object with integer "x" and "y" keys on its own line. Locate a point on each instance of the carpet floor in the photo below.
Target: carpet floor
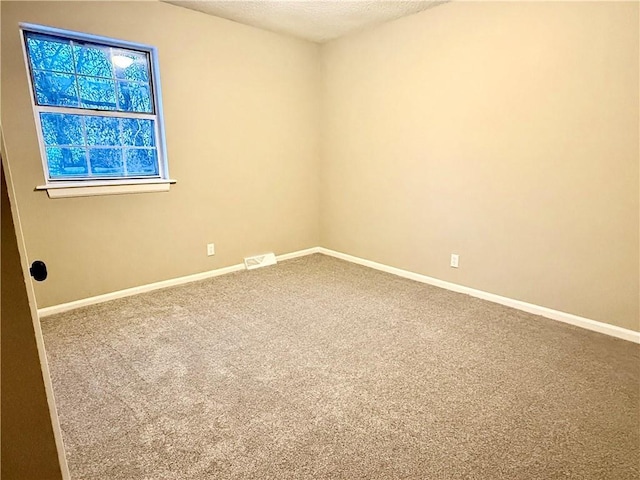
{"x": 320, "y": 369}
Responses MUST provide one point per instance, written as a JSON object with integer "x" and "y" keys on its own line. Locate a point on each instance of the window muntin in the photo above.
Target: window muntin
{"x": 96, "y": 107}
{"x": 121, "y": 147}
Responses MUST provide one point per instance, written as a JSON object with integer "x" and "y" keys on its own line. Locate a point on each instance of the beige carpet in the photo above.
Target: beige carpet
{"x": 320, "y": 369}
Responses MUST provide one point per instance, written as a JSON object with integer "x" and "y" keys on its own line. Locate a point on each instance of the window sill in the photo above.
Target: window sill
{"x": 91, "y": 189}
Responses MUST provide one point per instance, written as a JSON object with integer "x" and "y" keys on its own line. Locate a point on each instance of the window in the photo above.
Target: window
{"x": 97, "y": 110}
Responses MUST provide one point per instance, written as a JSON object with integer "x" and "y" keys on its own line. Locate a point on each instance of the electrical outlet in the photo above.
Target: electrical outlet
{"x": 454, "y": 260}
{"x": 211, "y": 249}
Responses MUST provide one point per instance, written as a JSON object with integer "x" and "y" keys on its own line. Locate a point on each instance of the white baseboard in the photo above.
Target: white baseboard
{"x": 299, "y": 253}
{"x": 127, "y": 292}
{"x": 586, "y": 323}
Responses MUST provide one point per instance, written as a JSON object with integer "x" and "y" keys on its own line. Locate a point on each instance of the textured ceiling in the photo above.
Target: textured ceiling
{"x": 315, "y": 20}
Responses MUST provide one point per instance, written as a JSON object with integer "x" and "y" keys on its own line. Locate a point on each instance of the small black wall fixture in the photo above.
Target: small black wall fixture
{"x": 38, "y": 270}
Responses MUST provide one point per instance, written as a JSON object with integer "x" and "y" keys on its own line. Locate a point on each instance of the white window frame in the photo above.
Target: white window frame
{"x": 101, "y": 186}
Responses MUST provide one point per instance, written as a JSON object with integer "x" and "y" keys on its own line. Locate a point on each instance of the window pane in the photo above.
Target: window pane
{"x": 66, "y": 162}
{"x": 106, "y": 161}
{"x": 130, "y": 65}
{"x": 93, "y": 61}
{"x": 103, "y": 130}
{"x": 138, "y": 133}
{"x": 108, "y": 87}
{"x": 142, "y": 161}
{"x": 134, "y": 97}
{"x": 57, "y": 89}
{"x": 98, "y": 93}
{"x": 49, "y": 53}
{"x": 61, "y": 129}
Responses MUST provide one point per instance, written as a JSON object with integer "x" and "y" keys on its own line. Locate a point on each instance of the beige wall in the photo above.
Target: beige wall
{"x": 241, "y": 110}
{"x": 504, "y": 132}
